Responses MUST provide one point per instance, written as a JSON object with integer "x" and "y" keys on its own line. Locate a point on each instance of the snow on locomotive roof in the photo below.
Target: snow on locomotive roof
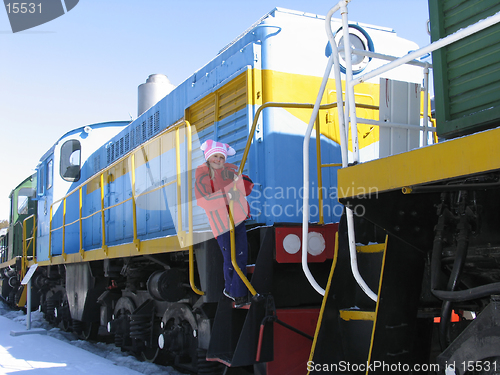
{"x": 297, "y": 13}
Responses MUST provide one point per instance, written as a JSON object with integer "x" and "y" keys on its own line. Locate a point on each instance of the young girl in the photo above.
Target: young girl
{"x": 214, "y": 188}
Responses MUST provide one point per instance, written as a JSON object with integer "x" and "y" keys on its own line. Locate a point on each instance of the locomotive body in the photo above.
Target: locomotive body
{"x": 121, "y": 243}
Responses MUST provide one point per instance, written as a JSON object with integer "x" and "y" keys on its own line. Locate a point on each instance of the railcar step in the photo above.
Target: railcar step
{"x": 353, "y": 314}
{"x": 235, "y": 333}
{"x": 373, "y": 248}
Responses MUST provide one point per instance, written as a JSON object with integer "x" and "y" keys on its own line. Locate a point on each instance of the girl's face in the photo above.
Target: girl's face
{"x": 216, "y": 161}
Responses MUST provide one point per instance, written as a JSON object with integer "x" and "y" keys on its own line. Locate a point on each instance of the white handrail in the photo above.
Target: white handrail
{"x": 388, "y": 124}
{"x": 381, "y": 56}
{"x": 342, "y": 5}
{"x": 334, "y": 59}
{"x": 350, "y": 99}
{"x": 350, "y": 114}
{"x": 425, "y": 140}
{"x": 350, "y": 102}
{"x": 443, "y": 42}
{"x": 351, "y": 109}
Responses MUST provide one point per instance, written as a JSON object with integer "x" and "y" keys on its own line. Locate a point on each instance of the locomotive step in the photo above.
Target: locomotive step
{"x": 354, "y": 314}
{"x": 235, "y": 334}
{"x": 373, "y": 248}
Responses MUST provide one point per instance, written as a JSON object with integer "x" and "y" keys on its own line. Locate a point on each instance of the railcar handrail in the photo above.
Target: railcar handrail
{"x": 136, "y": 241}
{"x": 350, "y": 109}
{"x": 245, "y": 156}
{"x": 285, "y": 105}
{"x": 190, "y": 212}
{"x": 26, "y": 245}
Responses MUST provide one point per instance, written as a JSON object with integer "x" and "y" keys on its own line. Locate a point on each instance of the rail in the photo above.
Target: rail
{"x": 349, "y": 114}
{"x": 183, "y": 239}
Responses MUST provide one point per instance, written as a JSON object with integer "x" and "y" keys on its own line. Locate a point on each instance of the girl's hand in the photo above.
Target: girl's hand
{"x": 228, "y": 174}
{"x": 233, "y": 195}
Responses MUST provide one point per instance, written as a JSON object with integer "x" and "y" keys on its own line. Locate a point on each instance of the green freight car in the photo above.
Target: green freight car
{"x": 466, "y": 73}
{"x": 22, "y": 213}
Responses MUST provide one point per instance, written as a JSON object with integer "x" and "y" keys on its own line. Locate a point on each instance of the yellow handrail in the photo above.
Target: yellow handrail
{"x": 50, "y": 233}
{"x": 233, "y": 252}
{"x": 63, "y": 252}
{"x": 190, "y": 211}
{"x": 325, "y": 298}
{"x": 176, "y": 127}
{"x": 286, "y": 105}
{"x": 242, "y": 165}
{"x": 134, "y": 205}
{"x": 103, "y": 220}
{"x": 178, "y": 180}
{"x": 32, "y": 239}
{"x": 80, "y": 204}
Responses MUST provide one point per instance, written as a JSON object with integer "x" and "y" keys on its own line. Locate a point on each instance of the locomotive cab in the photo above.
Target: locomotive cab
{"x": 59, "y": 172}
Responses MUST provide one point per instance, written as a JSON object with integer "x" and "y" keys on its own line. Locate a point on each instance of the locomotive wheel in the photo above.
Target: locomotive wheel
{"x": 124, "y": 306}
{"x": 154, "y": 353}
{"x": 123, "y": 309}
{"x": 151, "y": 355}
{"x": 89, "y": 330}
{"x": 66, "y": 325}
{"x": 62, "y": 312}
{"x": 178, "y": 336}
{"x": 178, "y": 341}
{"x": 52, "y": 299}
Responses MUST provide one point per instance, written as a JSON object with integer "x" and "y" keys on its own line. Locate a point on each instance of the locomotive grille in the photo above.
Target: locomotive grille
{"x": 138, "y": 137}
{"x": 144, "y": 133}
{"x": 157, "y": 122}
{"x": 97, "y": 163}
{"x": 150, "y": 126}
{"x": 127, "y": 142}
{"x": 133, "y": 138}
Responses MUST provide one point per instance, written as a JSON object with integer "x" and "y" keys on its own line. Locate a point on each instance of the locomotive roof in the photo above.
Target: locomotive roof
{"x": 80, "y": 129}
{"x": 296, "y": 13}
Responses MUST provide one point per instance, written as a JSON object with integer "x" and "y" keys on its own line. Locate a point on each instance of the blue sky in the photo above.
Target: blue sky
{"x": 84, "y": 67}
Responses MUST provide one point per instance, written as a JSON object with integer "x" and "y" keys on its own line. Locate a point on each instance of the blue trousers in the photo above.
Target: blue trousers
{"x": 233, "y": 283}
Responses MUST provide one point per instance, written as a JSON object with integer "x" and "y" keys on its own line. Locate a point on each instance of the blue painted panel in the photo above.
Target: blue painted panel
{"x": 87, "y": 223}
{"x": 95, "y": 201}
{"x": 279, "y": 193}
{"x": 72, "y": 232}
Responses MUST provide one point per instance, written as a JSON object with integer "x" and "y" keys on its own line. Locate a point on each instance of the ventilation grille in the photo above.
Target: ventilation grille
{"x": 133, "y": 137}
{"x": 97, "y": 163}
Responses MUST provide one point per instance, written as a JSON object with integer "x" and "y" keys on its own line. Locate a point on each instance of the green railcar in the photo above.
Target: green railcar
{"x": 23, "y": 205}
{"x": 466, "y": 73}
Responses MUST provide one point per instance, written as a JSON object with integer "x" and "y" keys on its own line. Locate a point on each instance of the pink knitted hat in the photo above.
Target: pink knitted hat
{"x": 211, "y": 147}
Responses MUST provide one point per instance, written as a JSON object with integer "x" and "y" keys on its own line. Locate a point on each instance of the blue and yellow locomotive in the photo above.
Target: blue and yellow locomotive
{"x": 123, "y": 249}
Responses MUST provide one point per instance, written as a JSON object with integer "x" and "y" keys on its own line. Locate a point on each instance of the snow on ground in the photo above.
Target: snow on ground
{"x": 108, "y": 351}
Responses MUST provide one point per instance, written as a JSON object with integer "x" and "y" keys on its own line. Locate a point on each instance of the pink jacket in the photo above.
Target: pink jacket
{"x": 211, "y": 195}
